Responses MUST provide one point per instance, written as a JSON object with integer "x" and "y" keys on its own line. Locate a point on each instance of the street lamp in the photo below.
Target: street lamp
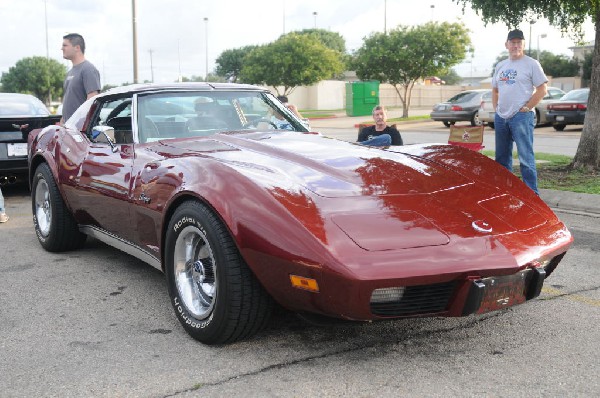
{"x": 134, "y": 29}
{"x": 531, "y": 22}
{"x": 543, "y": 36}
{"x": 151, "y": 67}
{"x": 432, "y": 9}
{"x": 315, "y": 15}
{"x": 47, "y": 53}
{"x": 206, "y": 46}
{"x": 385, "y": 17}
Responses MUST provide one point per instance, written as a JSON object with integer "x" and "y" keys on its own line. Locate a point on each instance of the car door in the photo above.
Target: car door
{"x": 104, "y": 180}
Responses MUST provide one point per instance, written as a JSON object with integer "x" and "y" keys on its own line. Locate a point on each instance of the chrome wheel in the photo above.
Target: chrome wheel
{"x": 43, "y": 209}
{"x": 195, "y": 272}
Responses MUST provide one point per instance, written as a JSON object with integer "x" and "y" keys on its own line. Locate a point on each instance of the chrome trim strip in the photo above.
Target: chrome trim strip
{"x": 121, "y": 244}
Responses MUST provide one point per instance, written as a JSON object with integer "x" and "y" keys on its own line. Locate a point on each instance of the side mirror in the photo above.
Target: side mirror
{"x": 104, "y": 134}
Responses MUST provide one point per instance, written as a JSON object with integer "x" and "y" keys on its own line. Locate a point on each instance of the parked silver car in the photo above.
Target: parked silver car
{"x": 486, "y": 110}
{"x": 552, "y": 95}
{"x": 463, "y": 106}
{"x": 487, "y": 114}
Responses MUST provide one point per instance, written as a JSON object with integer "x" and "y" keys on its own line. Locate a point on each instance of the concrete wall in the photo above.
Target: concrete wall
{"x": 331, "y": 94}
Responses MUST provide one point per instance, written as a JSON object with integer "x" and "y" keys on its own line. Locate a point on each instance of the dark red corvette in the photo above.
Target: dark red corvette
{"x": 220, "y": 187}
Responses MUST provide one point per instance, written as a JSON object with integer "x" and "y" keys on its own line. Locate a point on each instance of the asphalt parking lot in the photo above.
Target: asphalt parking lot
{"x": 96, "y": 322}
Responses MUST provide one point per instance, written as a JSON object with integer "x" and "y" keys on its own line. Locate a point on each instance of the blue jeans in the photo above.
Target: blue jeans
{"x": 380, "y": 140}
{"x": 519, "y": 130}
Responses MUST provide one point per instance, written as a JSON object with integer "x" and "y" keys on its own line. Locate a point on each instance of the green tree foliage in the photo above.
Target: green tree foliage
{"x": 407, "y": 54}
{"x": 451, "y": 78}
{"x": 559, "y": 65}
{"x": 586, "y": 68}
{"x": 568, "y": 15}
{"x": 330, "y": 39}
{"x": 229, "y": 63}
{"x": 290, "y": 61}
{"x": 38, "y": 76}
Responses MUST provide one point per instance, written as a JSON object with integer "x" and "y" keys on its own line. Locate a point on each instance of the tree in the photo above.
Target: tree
{"x": 407, "y": 54}
{"x": 586, "y": 68}
{"x": 559, "y": 65}
{"x": 39, "y": 76}
{"x": 568, "y": 15}
{"x": 330, "y": 39}
{"x": 230, "y": 62}
{"x": 290, "y": 61}
{"x": 451, "y": 78}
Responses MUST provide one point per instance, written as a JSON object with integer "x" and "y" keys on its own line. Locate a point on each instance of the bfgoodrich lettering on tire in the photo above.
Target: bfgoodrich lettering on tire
{"x": 54, "y": 224}
{"x": 216, "y": 297}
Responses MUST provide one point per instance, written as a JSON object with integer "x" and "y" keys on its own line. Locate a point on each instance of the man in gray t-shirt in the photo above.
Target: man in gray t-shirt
{"x": 82, "y": 81}
{"x": 518, "y": 85}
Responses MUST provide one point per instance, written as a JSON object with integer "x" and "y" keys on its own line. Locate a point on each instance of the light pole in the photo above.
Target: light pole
{"x": 543, "y": 36}
{"x": 151, "y": 68}
{"x": 283, "y": 17}
{"x": 385, "y": 17}
{"x": 531, "y": 22}
{"x": 47, "y": 53}
{"x": 180, "y": 79}
{"x": 206, "y": 46}
{"x": 135, "y": 60}
{"x": 315, "y": 15}
{"x": 432, "y": 9}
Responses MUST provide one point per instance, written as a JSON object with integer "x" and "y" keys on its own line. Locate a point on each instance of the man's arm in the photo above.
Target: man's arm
{"x": 495, "y": 98}
{"x": 364, "y": 133}
{"x": 92, "y": 94}
{"x": 540, "y": 92}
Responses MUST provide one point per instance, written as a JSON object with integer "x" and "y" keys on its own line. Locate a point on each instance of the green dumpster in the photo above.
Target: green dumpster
{"x": 361, "y": 97}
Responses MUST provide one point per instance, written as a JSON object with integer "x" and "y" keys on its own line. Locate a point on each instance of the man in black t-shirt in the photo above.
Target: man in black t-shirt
{"x": 380, "y": 134}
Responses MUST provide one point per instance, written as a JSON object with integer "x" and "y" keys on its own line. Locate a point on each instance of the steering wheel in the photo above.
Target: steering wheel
{"x": 255, "y": 123}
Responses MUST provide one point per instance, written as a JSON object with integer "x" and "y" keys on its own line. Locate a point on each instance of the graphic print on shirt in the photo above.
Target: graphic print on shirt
{"x": 508, "y": 76}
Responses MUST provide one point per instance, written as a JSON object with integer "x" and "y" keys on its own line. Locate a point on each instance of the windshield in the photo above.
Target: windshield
{"x": 576, "y": 95}
{"x": 21, "y": 105}
{"x": 202, "y": 113}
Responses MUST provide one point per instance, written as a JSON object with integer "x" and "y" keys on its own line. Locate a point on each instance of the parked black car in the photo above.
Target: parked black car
{"x": 569, "y": 109}
{"x": 463, "y": 106}
{"x": 19, "y": 114}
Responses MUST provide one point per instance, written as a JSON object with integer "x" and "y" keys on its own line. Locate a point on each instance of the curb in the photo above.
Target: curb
{"x": 573, "y": 201}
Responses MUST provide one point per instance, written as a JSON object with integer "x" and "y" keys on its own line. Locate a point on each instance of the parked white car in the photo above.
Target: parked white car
{"x": 487, "y": 114}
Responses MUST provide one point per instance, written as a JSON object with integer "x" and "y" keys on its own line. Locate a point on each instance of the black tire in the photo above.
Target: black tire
{"x": 54, "y": 224}
{"x": 475, "y": 121}
{"x": 491, "y": 124}
{"x": 559, "y": 127}
{"x": 216, "y": 297}
{"x": 447, "y": 123}
{"x": 536, "y": 118}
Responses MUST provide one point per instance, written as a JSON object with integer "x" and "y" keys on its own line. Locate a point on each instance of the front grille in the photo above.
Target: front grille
{"x": 422, "y": 299}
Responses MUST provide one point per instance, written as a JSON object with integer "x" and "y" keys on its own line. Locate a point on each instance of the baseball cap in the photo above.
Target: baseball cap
{"x": 515, "y": 34}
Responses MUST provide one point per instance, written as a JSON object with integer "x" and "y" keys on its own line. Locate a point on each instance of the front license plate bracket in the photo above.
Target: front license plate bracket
{"x": 498, "y": 292}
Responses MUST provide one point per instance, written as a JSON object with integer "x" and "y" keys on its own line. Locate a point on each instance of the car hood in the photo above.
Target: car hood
{"x": 327, "y": 167}
{"x": 374, "y": 195}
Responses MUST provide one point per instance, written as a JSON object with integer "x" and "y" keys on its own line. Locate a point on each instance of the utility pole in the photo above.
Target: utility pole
{"x": 135, "y": 59}
{"x": 47, "y": 53}
{"x": 151, "y": 68}
{"x": 206, "y": 46}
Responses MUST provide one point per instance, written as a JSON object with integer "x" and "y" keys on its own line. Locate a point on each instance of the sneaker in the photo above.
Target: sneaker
{"x": 3, "y": 217}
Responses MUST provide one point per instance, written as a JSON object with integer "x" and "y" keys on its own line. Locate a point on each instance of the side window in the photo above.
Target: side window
{"x": 117, "y": 114}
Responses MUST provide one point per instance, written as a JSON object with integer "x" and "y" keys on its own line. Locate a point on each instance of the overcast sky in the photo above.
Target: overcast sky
{"x": 171, "y": 34}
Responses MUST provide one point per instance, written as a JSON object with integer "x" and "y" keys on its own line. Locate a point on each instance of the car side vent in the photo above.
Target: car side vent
{"x": 416, "y": 300}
